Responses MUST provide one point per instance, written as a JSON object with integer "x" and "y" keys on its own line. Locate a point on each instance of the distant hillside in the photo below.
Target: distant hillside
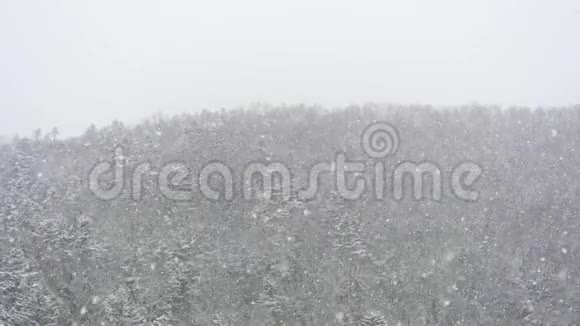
{"x": 510, "y": 257}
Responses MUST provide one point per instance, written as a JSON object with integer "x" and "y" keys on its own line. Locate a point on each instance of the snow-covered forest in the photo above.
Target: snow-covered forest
{"x": 510, "y": 258}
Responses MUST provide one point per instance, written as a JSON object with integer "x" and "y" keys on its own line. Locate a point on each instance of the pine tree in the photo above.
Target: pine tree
{"x": 373, "y": 319}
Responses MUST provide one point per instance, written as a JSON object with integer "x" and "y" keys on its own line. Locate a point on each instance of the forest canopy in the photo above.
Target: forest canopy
{"x": 511, "y": 257}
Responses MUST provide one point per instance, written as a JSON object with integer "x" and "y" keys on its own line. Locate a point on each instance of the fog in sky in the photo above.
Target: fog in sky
{"x": 72, "y": 63}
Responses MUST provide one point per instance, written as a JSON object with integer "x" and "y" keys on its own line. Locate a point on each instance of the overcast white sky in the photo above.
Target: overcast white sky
{"x": 72, "y": 63}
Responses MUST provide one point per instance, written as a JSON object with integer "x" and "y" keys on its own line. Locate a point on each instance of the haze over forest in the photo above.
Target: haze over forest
{"x": 69, "y": 64}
